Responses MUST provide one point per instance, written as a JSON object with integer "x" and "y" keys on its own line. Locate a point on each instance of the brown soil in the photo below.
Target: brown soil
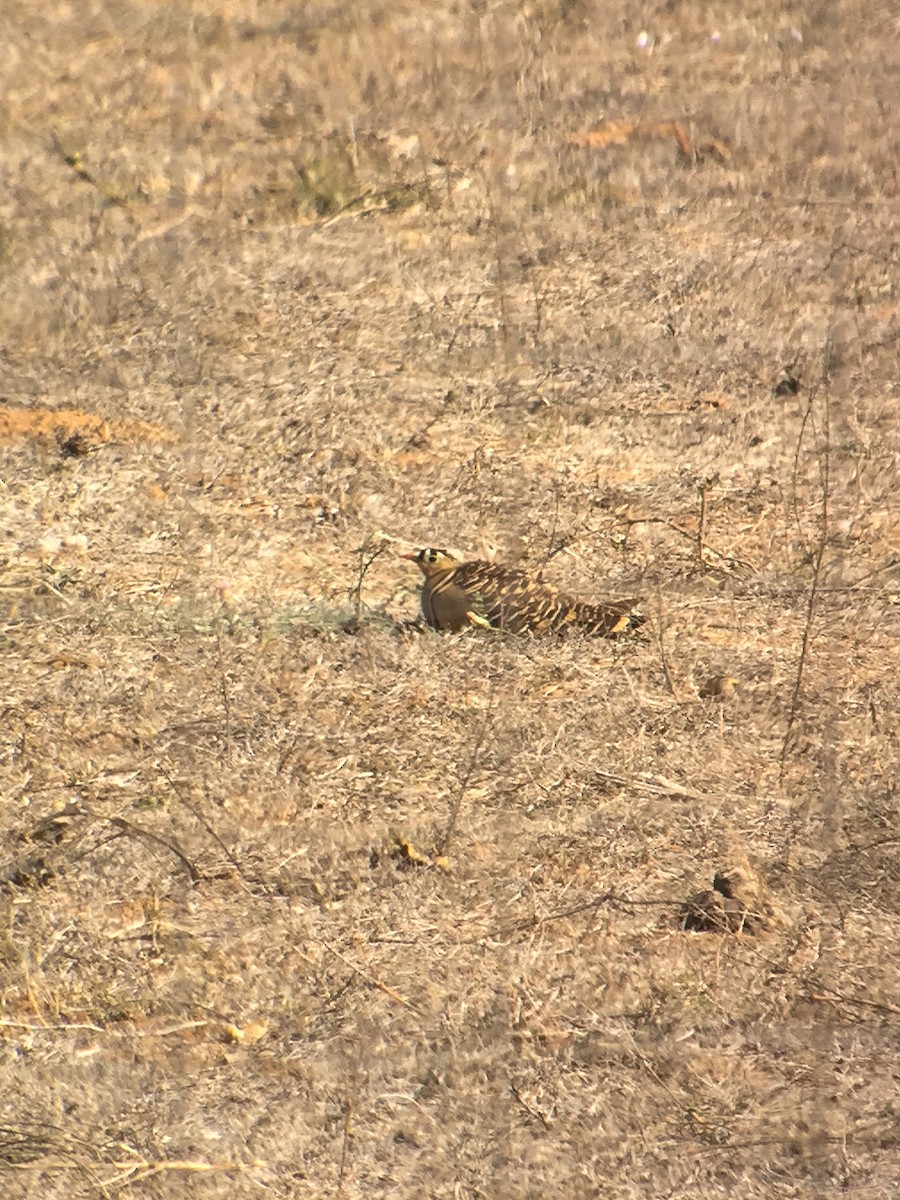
{"x": 299, "y": 899}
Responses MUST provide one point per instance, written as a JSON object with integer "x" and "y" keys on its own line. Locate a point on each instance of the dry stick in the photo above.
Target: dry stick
{"x": 129, "y": 828}
{"x": 345, "y": 1148}
{"x": 136, "y": 1172}
{"x": 704, "y": 490}
{"x": 45, "y": 583}
{"x": 352, "y": 209}
{"x": 226, "y": 699}
{"x": 663, "y": 657}
{"x": 501, "y": 273}
{"x": 591, "y": 905}
{"x": 657, "y": 785}
{"x": 819, "y": 556}
{"x": 552, "y": 538}
{"x": 464, "y": 782}
{"x": 38, "y": 1150}
{"x": 364, "y": 564}
{"x": 459, "y": 328}
{"x": 648, "y": 1066}
{"x": 534, "y": 1113}
{"x": 198, "y": 816}
{"x": 691, "y": 537}
{"x": 796, "y": 468}
{"x": 701, "y": 524}
{"x": 556, "y": 544}
{"x": 4, "y": 1024}
{"x": 73, "y": 160}
{"x": 376, "y": 983}
{"x": 774, "y": 964}
{"x": 801, "y": 663}
{"x": 829, "y": 996}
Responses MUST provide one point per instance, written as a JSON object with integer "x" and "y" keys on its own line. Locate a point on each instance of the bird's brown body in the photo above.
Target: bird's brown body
{"x": 458, "y": 594}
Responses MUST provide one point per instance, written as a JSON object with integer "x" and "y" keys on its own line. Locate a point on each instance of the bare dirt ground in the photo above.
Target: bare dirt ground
{"x": 299, "y": 900}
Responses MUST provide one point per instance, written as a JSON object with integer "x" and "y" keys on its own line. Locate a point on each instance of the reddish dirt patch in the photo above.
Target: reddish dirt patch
{"x": 44, "y": 424}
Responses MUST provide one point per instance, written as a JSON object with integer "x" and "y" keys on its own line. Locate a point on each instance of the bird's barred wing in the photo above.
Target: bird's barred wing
{"x": 491, "y": 596}
{"x": 509, "y": 599}
{"x": 609, "y": 620}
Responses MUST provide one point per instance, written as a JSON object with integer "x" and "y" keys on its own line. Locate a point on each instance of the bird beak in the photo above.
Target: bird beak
{"x": 412, "y": 557}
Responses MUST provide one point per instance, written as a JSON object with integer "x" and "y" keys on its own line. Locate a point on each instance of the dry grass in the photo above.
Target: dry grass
{"x": 299, "y": 901}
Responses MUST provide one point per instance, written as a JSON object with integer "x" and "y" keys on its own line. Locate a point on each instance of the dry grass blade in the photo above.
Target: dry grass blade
{"x": 130, "y": 829}
{"x": 368, "y": 553}
{"x": 369, "y": 978}
{"x": 466, "y": 778}
{"x": 819, "y": 552}
{"x": 73, "y": 159}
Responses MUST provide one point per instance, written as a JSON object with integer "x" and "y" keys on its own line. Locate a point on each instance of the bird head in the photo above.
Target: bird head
{"x": 430, "y": 561}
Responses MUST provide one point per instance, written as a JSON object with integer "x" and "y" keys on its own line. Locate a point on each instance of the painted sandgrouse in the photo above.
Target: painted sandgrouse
{"x": 458, "y": 594}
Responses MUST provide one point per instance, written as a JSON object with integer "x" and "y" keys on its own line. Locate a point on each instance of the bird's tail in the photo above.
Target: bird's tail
{"x": 608, "y": 620}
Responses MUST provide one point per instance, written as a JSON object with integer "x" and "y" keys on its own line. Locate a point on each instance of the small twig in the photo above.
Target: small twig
{"x": 663, "y": 656}
{"x": 48, "y": 586}
{"x": 455, "y": 806}
{"x": 370, "y": 198}
{"x": 801, "y": 662}
{"x": 685, "y": 533}
{"x": 463, "y": 321}
{"x": 556, "y": 544}
{"x": 658, "y": 785}
{"x": 818, "y": 559}
{"x": 501, "y": 289}
{"x": 704, "y": 489}
{"x": 345, "y": 1148}
{"x": 136, "y": 1172}
{"x": 691, "y": 537}
{"x": 807, "y": 416}
{"x": 226, "y": 697}
{"x": 376, "y": 983}
{"x": 534, "y": 1113}
{"x": 168, "y": 1030}
{"x": 647, "y": 1065}
{"x": 552, "y": 538}
{"x": 41, "y": 1028}
{"x": 367, "y": 556}
{"x": 73, "y": 160}
{"x": 198, "y": 816}
{"x": 127, "y": 827}
{"x": 837, "y": 998}
{"x": 536, "y": 921}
